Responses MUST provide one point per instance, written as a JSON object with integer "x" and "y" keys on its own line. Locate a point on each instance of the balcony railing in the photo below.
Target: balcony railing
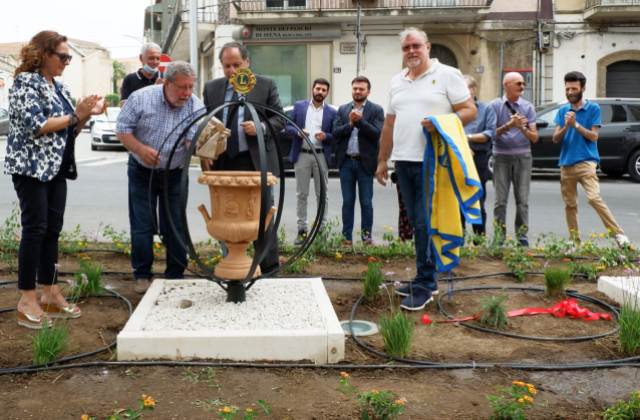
{"x": 336, "y": 5}
{"x": 593, "y": 3}
{"x": 207, "y": 11}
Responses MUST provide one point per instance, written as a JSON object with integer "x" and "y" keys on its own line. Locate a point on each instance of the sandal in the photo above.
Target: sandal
{"x": 31, "y": 321}
{"x": 54, "y": 311}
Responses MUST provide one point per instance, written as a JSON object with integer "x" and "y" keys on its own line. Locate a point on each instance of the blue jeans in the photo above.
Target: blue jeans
{"x": 352, "y": 174}
{"x": 146, "y": 207}
{"x": 413, "y": 195}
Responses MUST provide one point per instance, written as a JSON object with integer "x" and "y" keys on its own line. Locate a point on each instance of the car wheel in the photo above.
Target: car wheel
{"x": 634, "y": 166}
{"x": 490, "y": 165}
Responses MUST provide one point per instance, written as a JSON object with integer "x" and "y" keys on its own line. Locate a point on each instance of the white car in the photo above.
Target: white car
{"x": 103, "y": 130}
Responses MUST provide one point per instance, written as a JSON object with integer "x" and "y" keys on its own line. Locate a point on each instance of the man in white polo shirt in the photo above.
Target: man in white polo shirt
{"x": 426, "y": 87}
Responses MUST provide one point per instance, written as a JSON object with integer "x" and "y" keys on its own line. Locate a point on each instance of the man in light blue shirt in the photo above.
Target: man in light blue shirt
{"x": 577, "y": 126}
{"x": 480, "y": 133}
{"x": 149, "y": 126}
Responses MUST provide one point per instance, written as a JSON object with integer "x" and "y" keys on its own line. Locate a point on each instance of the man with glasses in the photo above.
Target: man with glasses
{"x": 426, "y": 87}
{"x": 516, "y": 130}
{"x": 146, "y": 128}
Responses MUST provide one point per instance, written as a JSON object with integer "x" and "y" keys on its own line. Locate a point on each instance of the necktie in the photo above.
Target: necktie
{"x": 232, "y": 124}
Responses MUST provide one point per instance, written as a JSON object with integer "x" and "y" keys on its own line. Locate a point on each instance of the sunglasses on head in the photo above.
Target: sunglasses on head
{"x": 410, "y": 47}
{"x": 64, "y": 57}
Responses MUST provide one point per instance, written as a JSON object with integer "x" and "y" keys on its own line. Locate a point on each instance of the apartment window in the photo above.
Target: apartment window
{"x": 286, "y": 4}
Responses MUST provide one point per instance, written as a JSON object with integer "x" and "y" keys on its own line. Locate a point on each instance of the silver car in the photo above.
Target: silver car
{"x": 103, "y": 130}
{"x": 4, "y": 122}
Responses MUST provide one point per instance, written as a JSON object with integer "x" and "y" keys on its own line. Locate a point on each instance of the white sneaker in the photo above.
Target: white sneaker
{"x": 622, "y": 240}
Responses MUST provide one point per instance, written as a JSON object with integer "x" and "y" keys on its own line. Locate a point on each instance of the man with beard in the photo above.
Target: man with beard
{"x": 426, "y": 87}
{"x": 577, "y": 126}
{"x": 357, "y": 132}
{"x": 516, "y": 122}
{"x": 315, "y": 117}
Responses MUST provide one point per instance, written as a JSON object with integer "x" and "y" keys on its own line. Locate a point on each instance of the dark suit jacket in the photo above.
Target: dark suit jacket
{"x": 369, "y": 129}
{"x": 265, "y": 92}
{"x": 299, "y": 117}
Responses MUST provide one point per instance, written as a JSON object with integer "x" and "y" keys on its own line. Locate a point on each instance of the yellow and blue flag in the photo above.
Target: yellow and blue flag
{"x": 452, "y": 186}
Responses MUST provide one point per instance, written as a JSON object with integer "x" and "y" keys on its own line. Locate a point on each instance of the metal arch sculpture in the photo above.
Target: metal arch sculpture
{"x": 236, "y": 290}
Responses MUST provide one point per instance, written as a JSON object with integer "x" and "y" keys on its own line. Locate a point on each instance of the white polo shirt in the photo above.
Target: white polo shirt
{"x": 432, "y": 93}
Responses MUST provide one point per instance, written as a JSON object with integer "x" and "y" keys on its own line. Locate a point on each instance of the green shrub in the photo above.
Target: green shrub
{"x": 112, "y": 99}
{"x": 397, "y": 332}
{"x": 88, "y": 280}
{"x": 372, "y": 280}
{"x": 624, "y": 410}
{"x": 494, "y": 314}
{"x": 48, "y": 343}
{"x": 629, "y": 332}
{"x": 556, "y": 280}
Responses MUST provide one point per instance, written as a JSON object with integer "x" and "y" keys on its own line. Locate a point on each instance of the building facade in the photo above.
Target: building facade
{"x": 296, "y": 41}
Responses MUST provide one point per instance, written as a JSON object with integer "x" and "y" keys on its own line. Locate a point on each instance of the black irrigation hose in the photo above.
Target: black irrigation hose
{"x": 531, "y": 337}
{"x": 581, "y": 365}
{"x": 57, "y": 362}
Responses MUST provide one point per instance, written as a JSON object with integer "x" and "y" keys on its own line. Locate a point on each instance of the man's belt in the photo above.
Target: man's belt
{"x": 309, "y": 150}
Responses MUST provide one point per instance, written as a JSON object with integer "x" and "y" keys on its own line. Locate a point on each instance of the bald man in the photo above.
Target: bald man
{"x": 516, "y": 130}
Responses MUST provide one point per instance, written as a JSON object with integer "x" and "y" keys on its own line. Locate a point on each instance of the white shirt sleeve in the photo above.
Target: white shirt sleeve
{"x": 457, "y": 90}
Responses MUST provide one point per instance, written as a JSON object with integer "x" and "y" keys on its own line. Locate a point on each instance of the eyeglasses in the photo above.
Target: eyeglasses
{"x": 64, "y": 57}
{"x": 409, "y": 47}
{"x": 520, "y": 84}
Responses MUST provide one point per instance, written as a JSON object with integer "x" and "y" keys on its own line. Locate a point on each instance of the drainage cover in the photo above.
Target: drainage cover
{"x": 359, "y": 327}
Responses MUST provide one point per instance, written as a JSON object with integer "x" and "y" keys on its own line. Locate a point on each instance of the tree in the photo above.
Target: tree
{"x": 118, "y": 74}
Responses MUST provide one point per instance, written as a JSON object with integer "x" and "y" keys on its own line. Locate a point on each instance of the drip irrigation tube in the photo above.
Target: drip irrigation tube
{"x": 53, "y": 364}
{"x": 579, "y": 365}
{"x": 531, "y": 337}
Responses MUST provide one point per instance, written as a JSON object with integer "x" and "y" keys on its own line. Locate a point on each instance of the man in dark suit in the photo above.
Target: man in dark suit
{"x": 356, "y": 133}
{"x": 242, "y": 146}
{"x": 315, "y": 117}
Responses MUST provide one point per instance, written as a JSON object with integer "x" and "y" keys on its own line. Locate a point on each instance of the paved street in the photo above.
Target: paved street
{"x": 99, "y": 197}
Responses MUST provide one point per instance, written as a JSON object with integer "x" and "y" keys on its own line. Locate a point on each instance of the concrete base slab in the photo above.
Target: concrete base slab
{"x": 282, "y": 320}
{"x": 621, "y": 289}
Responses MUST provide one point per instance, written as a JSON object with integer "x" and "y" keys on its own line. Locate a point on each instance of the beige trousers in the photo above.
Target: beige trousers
{"x": 585, "y": 174}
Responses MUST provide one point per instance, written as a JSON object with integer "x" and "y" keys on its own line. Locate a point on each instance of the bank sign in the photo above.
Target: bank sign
{"x": 280, "y": 32}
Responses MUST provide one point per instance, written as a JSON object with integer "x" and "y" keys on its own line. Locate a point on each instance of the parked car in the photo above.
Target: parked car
{"x": 618, "y": 143}
{"x": 4, "y": 122}
{"x": 103, "y": 130}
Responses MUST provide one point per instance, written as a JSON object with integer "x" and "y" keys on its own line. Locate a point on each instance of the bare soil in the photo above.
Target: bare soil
{"x": 198, "y": 392}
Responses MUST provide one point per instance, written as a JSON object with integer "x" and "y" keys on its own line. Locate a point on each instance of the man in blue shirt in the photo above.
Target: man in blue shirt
{"x": 480, "y": 133}
{"x": 577, "y": 126}
{"x": 149, "y": 126}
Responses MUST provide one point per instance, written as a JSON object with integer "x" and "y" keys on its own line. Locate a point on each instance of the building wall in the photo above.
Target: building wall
{"x": 97, "y": 74}
{"x": 589, "y": 50}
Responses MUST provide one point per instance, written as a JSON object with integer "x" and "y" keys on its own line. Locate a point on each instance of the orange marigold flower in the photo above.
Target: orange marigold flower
{"x": 226, "y": 409}
{"x": 532, "y": 390}
{"x": 400, "y": 401}
{"x": 519, "y": 383}
{"x": 84, "y": 417}
{"x": 148, "y": 401}
{"x": 344, "y": 375}
{"x": 520, "y": 400}
{"x": 528, "y": 399}
{"x": 372, "y": 259}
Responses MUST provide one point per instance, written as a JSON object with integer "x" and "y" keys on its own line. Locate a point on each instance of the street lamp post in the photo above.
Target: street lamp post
{"x": 358, "y": 36}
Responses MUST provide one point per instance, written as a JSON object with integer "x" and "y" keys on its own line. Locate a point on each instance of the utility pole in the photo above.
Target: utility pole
{"x": 358, "y": 36}
{"x": 193, "y": 40}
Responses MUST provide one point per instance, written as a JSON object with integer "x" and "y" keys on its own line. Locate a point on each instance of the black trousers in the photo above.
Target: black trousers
{"x": 42, "y": 205}
{"x": 243, "y": 162}
{"x": 481, "y": 160}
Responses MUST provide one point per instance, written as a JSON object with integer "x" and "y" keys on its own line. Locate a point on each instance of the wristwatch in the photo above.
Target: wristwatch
{"x": 577, "y": 125}
{"x": 74, "y": 119}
